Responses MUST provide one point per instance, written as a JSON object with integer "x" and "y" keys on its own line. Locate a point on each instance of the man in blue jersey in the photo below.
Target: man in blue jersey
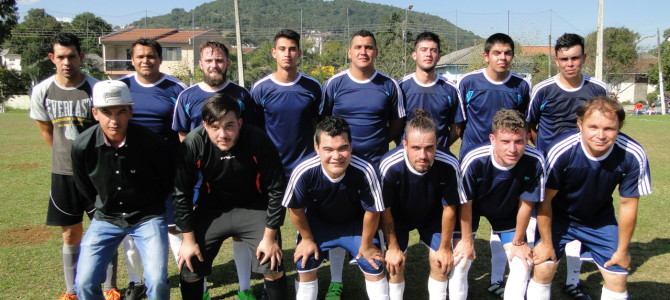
{"x": 583, "y": 170}
{"x": 421, "y": 190}
{"x": 214, "y": 62}
{"x": 483, "y": 93}
{"x": 368, "y": 100}
{"x": 503, "y": 181}
{"x": 331, "y": 197}
{"x": 154, "y": 94}
{"x": 426, "y": 90}
{"x": 551, "y": 113}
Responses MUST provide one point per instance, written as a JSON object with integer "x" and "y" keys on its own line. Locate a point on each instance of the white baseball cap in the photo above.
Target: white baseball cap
{"x": 111, "y": 93}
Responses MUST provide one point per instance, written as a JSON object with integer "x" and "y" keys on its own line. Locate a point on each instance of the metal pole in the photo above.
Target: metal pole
{"x": 301, "y": 22}
{"x": 549, "y": 54}
{"x": 456, "y": 28}
{"x": 240, "y": 69}
{"x": 661, "y": 89}
{"x": 404, "y": 49}
{"x": 347, "y": 38}
{"x": 599, "y": 42}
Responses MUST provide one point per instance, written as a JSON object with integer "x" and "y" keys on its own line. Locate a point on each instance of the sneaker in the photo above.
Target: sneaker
{"x": 575, "y": 292}
{"x": 66, "y": 296}
{"x": 205, "y": 295}
{"x": 334, "y": 291}
{"x": 112, "y": 294}
{"x": 497, "y": 289}
{"x": 135, "y": 291}
{"x": 246, "y": 295}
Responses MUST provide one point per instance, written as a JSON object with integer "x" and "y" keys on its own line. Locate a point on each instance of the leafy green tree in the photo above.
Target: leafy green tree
{"x": 8, "y": 18}
{"x": 11, "y": 83}
{"x": 34, "y": 44}
{"x": 665, "y": 62}
{"x": 620, "y": 53}
{"x": 88, "y": 27}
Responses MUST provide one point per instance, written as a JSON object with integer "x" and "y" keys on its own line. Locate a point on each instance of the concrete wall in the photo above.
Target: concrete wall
{"x": 18, "y": 102}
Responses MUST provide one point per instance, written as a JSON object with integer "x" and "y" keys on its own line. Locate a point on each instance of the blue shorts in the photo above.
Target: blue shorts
{"x": 598, "y": 243}
{"x": 331, "y": 236}
{"x": 506, "y": 236}
{"x": 431, "y": 236}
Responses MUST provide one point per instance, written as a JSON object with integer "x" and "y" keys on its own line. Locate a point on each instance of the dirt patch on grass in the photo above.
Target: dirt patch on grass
{"x": 23, "y": 166}
{"x": 26, "y": 236}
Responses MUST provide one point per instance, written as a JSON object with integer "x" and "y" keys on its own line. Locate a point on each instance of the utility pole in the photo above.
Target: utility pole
{"x": 193, "y": 45}
{"x": 346, "y": 38}
{"x": 550, "y": 49}
{"x": 599, "y": 42}
{"x": 404, "y": 41}
{"x": 456, "y": 31}
{"x": 240, "y": 69}
{"x": 301, "y": 22}
{"x": 661, "y": 89}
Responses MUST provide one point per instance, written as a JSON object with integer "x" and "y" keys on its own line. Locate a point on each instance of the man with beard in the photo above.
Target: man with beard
{"x": 214, "y": 62}
{"x": 426, "y": 90}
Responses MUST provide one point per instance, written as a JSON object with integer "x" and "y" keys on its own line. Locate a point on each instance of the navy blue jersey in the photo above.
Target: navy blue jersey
{"x": 495, "y": 190}
{"x": 334, "y": 200}
{"x": 585, "y": 183}
{"x": 439, "y": 98}
{"x": 417, "y": 198}
{"x": 188, "y": 110}
{"x": 481, "y": 98}
{"x": 554, "y": 107}
{"x": 290, "y": 112}
{"x": 154, "y": 103}
{"x": 368, "y": 106}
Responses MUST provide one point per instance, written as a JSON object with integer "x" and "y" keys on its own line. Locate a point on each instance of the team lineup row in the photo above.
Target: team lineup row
{"x": 169, "y": 164}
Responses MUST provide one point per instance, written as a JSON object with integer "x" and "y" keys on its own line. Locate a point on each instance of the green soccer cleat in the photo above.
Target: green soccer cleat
{"x": 334, "y": 291}
{"x": 246, "y": 295}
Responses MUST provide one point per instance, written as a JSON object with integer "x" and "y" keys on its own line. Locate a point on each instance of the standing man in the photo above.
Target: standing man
{"x": 426, "y": 90}
{"x": 370, "y": 102}
{"x": 483, "y": 93}
{"x": 331, "y": 197}
{"x": 503, "y": 181}
{"x": 125, "y": 172}
{"x": 552, "y": 113}
{"x": 240, "y": 195}
{"x": 584, "y": 168}
{"x": 214, "y": 62}
{"x": 61, "y": 106}
{"x": 421, "y": 188}
{"x": 154, "y": 95}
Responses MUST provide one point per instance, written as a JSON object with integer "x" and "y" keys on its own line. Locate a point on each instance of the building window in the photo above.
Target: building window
{"x": 171, "y": 53}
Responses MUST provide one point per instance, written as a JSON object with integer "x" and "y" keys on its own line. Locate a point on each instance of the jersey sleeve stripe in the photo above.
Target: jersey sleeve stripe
{"x": 299, "y": 171}
{"x": 543, "y": 178}
{"x": 474, "y": 154}
{"x": 369, "y": 172}
{"x": 644, "y": 182}
{"x": 389, "y": 161}
{"x": 453, "y": 162}
{"x": 401, "y": 99}
{"x": 559, "y": 148}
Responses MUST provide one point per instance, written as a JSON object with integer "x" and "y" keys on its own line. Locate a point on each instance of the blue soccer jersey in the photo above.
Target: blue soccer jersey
{"x": 585, "y": 183}
{"x": 340, "y": 200}
{"x": 154, "y": 103}
{"x": 368, "y": 106}
{"x": 417, "y": 198}
{"x": 439, "y": 98}
{"x": 495, "y": 190}
{"x": 481, "y": 98}
{"x": 290, "y": 111}
{"x": 554, "y": 107}
{"x": 188, "y": 110}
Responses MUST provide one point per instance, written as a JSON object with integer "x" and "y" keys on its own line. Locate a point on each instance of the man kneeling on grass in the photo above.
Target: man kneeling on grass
{"x": 125, "y": 171}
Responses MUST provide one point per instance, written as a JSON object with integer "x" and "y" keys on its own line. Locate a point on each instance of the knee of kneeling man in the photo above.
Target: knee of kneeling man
{"x": 189, "y": 276}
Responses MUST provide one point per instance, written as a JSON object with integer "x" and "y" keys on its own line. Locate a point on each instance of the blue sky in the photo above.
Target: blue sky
{"x": 529, "y": 20}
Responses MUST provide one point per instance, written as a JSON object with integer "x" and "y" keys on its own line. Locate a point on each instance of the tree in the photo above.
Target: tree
{"x": 88, "y": 27}
{"x": 8, "y": 18}
{"x": 34, "y": 43}
{"x": 620, "y": 53}
{"x": 11, "y": 83}
{"x": 665, "y": 62}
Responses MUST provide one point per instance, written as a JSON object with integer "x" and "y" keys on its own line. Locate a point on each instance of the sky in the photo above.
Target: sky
{"x": 529, "y": 22}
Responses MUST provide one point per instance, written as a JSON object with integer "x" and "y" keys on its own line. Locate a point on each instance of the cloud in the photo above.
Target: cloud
{"x": 27, "y": 2}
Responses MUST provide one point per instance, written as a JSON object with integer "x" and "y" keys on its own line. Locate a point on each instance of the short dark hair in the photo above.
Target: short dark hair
{"x": 287, "y": 34}
{"x": 421, "y": 121}
{"x": 603, "y": 104}
{"x": 498, "y": 38}
{"x": 218, "y": 106}
{"x": 65, "y": 39}
{"x": 365, "y": 33}
{"x": 508, "y": 119}
{"x": 568, "y": 40}
{"x": 332, "y": 126}
{"x": 427, "y": 36}
{"x": 215, "y": 45}
{"x": 148, "y": 43}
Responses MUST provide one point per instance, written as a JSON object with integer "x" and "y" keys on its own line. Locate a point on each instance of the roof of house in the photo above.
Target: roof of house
{"x": 537, "y": 50}
{"x": 467, "y": 55}
{"x": 162, "y": 35}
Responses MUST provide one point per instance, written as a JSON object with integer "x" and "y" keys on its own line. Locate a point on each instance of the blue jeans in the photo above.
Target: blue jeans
{"x": 99, "y": 245}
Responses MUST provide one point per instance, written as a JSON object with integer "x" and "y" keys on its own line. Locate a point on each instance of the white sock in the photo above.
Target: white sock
{"x": 307, "y": 290}
{"x": 519, "y": 273}
{"x": 336, "y": 257}
{"x": 612, "y": 295}
{"x": 242, "y": 258}
{"x": 377, "y": 290}
{"x": 396, "y": 290}
{"x": 437, "y": 290}
{"x": 458, "y": 281}
{"x": 498, "y": 259}
{"x": 538, "y": 291}
{"x": 175, "y": 243}
{"x": 530, "y": 231}
{"x": 572, "y": 262}
{"x": 133, "y": 260}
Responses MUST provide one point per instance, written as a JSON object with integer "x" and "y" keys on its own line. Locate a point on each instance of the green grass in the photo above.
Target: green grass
{"x": 30, "y": 264}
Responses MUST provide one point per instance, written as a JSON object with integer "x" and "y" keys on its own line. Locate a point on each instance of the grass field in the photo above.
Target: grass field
{"x": 30, "y": 263}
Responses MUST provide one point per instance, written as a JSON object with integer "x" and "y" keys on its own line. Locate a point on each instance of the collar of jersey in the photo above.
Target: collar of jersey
{"x": 409, "y": 166}
{"x": 69, "y": 88}
{"x": 333, "y": 180}
{"x": 509, "y": 75}
{"x": 361, "y": 81}
{"x": 591, "y": 157}
{"x": 423, "y": 84}
{"x": 277, "y": 82}
{"x": 557, "y": 78}
{"x": 497, "y": 165}
{"x": 203, "y": 86}
{"x": 150, "y": 84}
